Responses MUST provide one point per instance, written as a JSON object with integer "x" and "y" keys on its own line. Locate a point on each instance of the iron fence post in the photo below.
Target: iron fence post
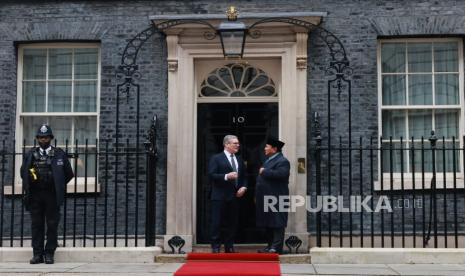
{"x": 151, "y": 150}
{"x": 318, "y": 174}
{"x": 433, "y": 212}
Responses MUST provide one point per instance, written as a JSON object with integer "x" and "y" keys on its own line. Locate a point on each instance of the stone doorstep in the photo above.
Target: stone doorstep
{"x": 170, "y": 258}
{"x": 325, "y": 255}
{"x": 243, "y": 248}
{"x": 283, "y": 259}
{"x": 295, "y": 259}
{"x": 87, "y": 254}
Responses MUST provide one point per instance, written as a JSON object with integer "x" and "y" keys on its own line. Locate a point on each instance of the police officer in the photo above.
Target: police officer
{"x": 45, "y": 172}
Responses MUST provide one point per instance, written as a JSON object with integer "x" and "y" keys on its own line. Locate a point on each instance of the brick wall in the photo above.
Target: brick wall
{"x": 358, "y": 24}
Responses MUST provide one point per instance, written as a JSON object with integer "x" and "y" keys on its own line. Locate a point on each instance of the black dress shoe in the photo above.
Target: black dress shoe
{"x": 230, "y": 250}
{"x": 37, "y": 259}
{"x": 49, "y": 259}
{"x": 215, "y": 250}
{"x": 264, "y": 250}
{"x": 272, "y": 250}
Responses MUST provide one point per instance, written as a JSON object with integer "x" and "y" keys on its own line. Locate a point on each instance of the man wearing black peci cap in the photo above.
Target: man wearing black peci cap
{"x": 45, "y": 172}
{"x": 272, "y": 180}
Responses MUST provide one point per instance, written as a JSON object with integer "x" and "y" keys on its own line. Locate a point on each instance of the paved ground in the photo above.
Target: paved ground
{"x": 159, "y": 269}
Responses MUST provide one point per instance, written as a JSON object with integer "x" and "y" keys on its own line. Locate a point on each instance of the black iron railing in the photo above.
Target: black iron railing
{"x": 420, "y": 180}
{"x": 105, "y": 205}
{"x": 394, "y": 193}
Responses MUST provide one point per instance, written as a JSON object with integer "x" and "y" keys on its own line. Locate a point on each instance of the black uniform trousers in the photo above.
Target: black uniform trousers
{"x": 44, "y": 209}
{"x": 224, "y": 213}
{"x": 275, "y": 238}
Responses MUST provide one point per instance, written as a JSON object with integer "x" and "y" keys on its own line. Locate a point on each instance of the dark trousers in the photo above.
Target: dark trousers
{"x": 275, "y": 237}
{"x": 224, "y": 213}
{"x": 43, "y": 208}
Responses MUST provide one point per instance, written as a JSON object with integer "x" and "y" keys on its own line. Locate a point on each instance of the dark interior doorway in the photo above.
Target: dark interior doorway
{"x": 251, "y": 123}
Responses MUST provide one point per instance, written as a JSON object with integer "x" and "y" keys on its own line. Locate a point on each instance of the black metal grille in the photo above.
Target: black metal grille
{"x": 118, "y": 211}
{"x": 427, "y": 202}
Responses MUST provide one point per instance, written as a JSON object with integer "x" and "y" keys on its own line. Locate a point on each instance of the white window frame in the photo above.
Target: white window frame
{"x": 407, "y": 176}
{"x": 81, "y": 181}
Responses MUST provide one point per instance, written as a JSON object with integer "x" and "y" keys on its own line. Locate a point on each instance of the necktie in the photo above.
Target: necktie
{"x": 233, "y": 165}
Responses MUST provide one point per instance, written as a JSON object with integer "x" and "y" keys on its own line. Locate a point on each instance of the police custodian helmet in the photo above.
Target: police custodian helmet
{"x": 44, "y": 130}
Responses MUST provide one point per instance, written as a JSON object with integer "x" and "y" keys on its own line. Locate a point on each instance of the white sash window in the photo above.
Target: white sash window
{"x": 59, "y": 84}
{"x": 420, "y": 89}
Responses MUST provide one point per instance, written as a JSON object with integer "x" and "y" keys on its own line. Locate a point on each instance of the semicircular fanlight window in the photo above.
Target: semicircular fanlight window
{"x": 238, "y": 80}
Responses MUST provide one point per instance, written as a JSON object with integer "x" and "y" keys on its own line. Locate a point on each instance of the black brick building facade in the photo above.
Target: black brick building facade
{"x": 358, "y": 24}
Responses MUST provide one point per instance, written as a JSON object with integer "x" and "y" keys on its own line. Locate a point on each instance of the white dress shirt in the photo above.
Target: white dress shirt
{"x": 228, "y": 156}
{"x": 45, "y": 151}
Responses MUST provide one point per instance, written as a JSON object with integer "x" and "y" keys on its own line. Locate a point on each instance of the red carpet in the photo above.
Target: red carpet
{"x": 229, "y": 264}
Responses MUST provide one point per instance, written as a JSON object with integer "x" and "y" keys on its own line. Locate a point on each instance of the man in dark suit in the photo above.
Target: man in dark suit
{"x": 273, "y": 180}
{"x": 228, "y": 175}
{"x": 45, "y": 172}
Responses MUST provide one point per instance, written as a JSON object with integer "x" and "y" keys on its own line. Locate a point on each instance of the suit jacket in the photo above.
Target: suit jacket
{"x": 61, "y": 171}
{"x": 273, "y": 181}
{"x": 225, "y": 189}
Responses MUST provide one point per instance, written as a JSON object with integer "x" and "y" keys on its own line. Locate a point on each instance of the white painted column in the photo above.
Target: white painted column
{"x": 294, "y": 131}
{"x": 180, "y": 132}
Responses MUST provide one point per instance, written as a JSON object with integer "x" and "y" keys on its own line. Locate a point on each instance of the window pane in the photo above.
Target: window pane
{"x": 30, "y": 127}
{"x": 419, "y": 57}
{"x": 444, "y": 157}
{"x": 393, "y": 57}
{"x": 446, "y": 57}
{"x": 420, "y": 123}
{"x": 447, "y": 89}
{"x": 440, "y": 152}
{"x": 85, "y": 128}
{"x": 447, "y": 123}
{"x": 217, "y": 83}
{"x": 225, "y": 76}
{"x": 392, "y": 158}
{"x": 209, "y": 91}
{"x": 80, "y": 171}
{"x": 422, "y": 153}
{"x": 33, "y": 96}
{"x": 393, "y": 124}
{"x": 60, "y": 63}
{"x": 420, "y": 89}
{"x": 85, "y": 96}
{"x": 85, "y": 63}
{"x": 59, "y": 96}
{"x": 61, "y": 127}
{"x": 393, "y": 90}
{"x": 34, "y": 62}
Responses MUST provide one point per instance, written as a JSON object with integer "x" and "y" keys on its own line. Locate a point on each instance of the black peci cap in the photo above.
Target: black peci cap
{"x": 275, "y": 143}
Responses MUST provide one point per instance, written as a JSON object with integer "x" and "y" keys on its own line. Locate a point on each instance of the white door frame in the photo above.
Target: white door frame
{"x": 182, "y": 116}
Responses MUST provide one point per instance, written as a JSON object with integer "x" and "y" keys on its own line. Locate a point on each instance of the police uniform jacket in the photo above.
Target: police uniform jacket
{"x": 273, "y": 181}
{"x": 62, "y": 172}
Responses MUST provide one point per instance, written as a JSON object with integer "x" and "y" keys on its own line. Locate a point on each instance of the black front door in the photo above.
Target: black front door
{"x": 251, "y": 123}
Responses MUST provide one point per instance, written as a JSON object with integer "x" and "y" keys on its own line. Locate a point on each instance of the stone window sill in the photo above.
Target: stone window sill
{"x": 409, "y": 184}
